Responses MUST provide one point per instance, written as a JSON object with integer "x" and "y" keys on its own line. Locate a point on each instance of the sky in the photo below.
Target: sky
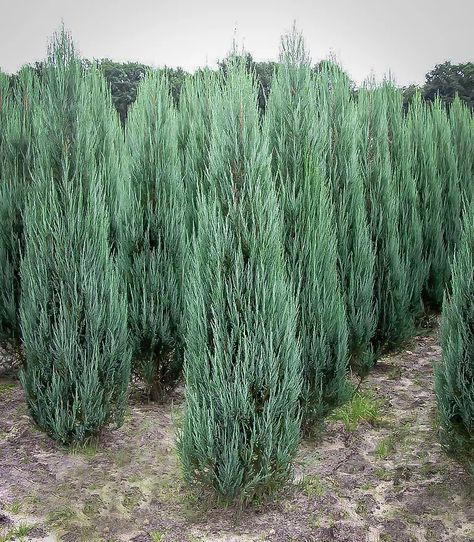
{"x": 368, "y": 37}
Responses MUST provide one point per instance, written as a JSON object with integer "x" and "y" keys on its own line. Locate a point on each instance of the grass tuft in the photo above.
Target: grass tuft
{"x": 363, "y": 407}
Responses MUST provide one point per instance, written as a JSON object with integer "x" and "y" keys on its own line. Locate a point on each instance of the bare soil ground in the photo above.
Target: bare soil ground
{"x": 384, "y": 480}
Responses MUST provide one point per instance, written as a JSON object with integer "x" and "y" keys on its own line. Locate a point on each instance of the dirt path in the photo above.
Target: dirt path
{"x": 384, "y": 480}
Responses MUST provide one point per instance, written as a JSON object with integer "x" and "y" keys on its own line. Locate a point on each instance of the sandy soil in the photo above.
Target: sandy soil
{"x": 384, "y": 481}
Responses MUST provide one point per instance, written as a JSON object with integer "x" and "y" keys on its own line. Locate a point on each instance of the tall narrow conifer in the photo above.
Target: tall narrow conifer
{"x": 409, "y": 222}
{"x": 356, "y": 253}
{"x": 298, "y": 141}
{"x": 194, "y": 119}
{"x": 242, "y": 366}
{"x": 18, "y": 100}
{"x": 430, "y": 191}
{"x": 447, "y": 173}
{"x": 462, "y": 130}
{"x": 454, "y": 376}
{"x": 73, "y": 308}
{"x": 156, "y": 247}
{"x": 392, "y": 291}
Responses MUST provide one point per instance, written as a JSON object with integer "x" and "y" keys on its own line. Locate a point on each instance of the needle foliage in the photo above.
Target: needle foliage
{"x": 242, "y": 359}
{"x": 409, "y": 223}
{"x": 430, "y": 191}
{"x": 356, "y": 253}
{"x": 156, "y": 244}
{"x": 392, "y": 291}
{"x": 298, "y": 142}
{"x": 73, "y": 308}
{"x": 455, "y": 375}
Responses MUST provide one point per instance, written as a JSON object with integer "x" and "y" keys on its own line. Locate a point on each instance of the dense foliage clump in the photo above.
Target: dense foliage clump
{"x": 17, "y": 110}
{"x": 298, "y": 141}
{"x": 73, "y": 308}
{"x": 391, "y": 289}
{"x": 156, "y": 237}
{"x": 335, "y": 106}
{"x": 242, "y": 359}
{"x": 455, "y": 374}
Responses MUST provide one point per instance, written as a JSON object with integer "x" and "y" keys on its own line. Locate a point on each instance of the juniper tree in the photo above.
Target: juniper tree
{"x": 7, "y": 302}
{"x": 15, "y": 171}
{"x": 242, "y": 367}
{"x": 297, "y": 144}
{"x": 447, "y": 172}
{"x": 157, "y": 236}
{"x": 409, "y": 220}
{"x": 392, "y": 291}
{"x": 73, "y": 309}
{"x": 356, "y": 253}
{"x": 194, "y": 118}
{"x": 454, "y": 376}
{"x": 430, "y": 191}
{"x": 462, "y": 130}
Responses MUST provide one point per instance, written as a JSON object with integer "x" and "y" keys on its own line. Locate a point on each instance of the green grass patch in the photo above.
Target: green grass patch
{"x": 6, "y": 387}
{"x": 61, "y": 517}
{"x": 16, "y": 533}
{"x": 387, "y": 445}
{"x": 312, "y": 485}
{"x": 363, "y": 407}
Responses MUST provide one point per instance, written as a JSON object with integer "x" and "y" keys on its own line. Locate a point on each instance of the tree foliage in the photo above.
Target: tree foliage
{"x": 262, "y": 71}
{"x": 391, "y": 292}
{"x": 447, "y": 171}
{"x": 297, "y": 142}
{"x": 462, "y": 131}
{"x": 156, "y": 244}
{"x": 454, "y": 376}
{"x": 409, "y": 221}
{"x": 242, "y": 369}
{"x": 18, "y": 102}
{"x": 447, "y": 80}
{"x": 195, "y": 111}
{"x": 73, "y": 309}
{"x": 356, "y": 253}
{"x": 430, "y": 191}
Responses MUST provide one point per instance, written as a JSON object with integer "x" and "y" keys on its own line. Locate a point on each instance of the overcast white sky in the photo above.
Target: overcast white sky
{"x": 407, "y": 37}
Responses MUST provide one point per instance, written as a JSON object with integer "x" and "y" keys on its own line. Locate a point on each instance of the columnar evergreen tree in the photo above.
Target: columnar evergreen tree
{"x": 297, "y": 143}
{"x": 156, "y": 246}
{"x": 73, "y": 308}
{"x": 242, "y": 367}
{"x": 356, "y": 253}
{"x": 195, "y": 108}
{"x": 409, "y": 221}
{"x": 454, "y": 376}
{"x": 430, "y": 191}
{"x": 448, "y": 177}
{"x": 7, "y": 301}
{"x": 462, "y": 129}
{"x": 17, "y": 112}
{"x": 322, "y": 325}
{"x": 392, "y": 291}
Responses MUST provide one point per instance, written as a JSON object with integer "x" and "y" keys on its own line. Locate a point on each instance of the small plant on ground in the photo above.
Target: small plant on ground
{"x": 312, "y": 486}
{"x": 387, "y": 445}
{"x": 363, "y": 407}
{"x": 16, "y": 533}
